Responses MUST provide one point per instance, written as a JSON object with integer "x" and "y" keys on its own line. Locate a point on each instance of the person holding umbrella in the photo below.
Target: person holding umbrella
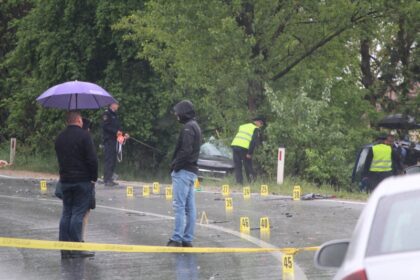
{"x": 78, "y": 168}
{"x": 78, "y": 95}
{"x": 111, "y": 128}
{"x": 76, "y": 155}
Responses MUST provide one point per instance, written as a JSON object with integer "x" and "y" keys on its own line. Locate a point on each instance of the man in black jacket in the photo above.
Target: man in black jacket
{"x": 184, "y": 173}
{"x": 78, "y": 168}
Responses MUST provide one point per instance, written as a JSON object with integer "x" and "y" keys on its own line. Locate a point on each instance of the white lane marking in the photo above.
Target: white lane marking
{"x": 10, "y": 177}
{"x": 344, "y": 201}
{"x": 299, "y": 274}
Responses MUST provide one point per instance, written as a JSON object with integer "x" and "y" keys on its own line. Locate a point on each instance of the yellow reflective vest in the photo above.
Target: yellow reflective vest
{"x": 244, "y": 136}
{"x": 382, "y": 158}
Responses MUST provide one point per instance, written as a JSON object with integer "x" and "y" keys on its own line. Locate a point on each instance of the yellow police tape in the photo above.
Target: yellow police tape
{"x": 60, "y": 245}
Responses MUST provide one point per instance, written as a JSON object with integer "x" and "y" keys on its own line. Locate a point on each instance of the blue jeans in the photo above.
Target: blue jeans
{"x": 183, "y": 205}
{"x": 76, "y": 202}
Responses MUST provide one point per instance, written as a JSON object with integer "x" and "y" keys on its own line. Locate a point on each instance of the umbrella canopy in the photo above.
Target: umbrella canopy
{"x": 399, "y": 121}
{"x": 75, "y": 95}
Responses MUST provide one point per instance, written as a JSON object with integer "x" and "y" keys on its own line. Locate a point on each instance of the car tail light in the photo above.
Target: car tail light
{"x": 358, "y": 275}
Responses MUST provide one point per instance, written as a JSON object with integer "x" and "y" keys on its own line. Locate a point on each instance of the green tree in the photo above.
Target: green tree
{"x": 390, "y": 58}
{"x": 222, "y": 53}
{"x": 9, "y": 12}
{"x": 58, "y": 41}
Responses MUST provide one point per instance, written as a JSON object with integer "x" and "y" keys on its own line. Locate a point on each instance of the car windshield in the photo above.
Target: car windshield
{"x": 396, "y": 226}
{"x": 215, "y": 148}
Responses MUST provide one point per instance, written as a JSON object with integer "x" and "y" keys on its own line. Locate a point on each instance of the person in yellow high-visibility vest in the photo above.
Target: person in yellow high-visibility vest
{"x": 243, "y": 146}
{"x": 381, "y": 162}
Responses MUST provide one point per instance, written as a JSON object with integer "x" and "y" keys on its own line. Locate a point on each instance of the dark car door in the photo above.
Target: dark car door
{"x": 360, "y": 164}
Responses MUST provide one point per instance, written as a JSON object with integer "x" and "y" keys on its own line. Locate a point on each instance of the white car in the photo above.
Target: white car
{"x": 386, "y": 241}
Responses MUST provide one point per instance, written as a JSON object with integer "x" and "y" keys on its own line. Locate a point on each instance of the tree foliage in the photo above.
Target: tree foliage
{"x": 323, "y": 72}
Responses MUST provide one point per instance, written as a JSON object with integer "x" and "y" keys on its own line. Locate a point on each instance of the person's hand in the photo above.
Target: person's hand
{"x": 126, "y": 136}
{"x": 248, "y": 156}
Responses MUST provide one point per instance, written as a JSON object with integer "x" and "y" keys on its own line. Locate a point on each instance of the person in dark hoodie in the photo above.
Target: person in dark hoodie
{"x": 184, "y": 173}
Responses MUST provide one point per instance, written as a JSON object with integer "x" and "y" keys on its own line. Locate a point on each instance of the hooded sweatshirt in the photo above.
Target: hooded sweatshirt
{"x": 189, "y": 141}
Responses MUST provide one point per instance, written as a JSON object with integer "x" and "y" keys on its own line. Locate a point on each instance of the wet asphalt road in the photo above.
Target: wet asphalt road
{"x": 27, "y": 213}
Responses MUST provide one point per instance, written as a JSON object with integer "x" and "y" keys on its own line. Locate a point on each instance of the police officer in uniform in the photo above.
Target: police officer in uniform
{"x": 381, "y": 162}
{"x": 111, "y": 129}
{"x": 243, "y": 146}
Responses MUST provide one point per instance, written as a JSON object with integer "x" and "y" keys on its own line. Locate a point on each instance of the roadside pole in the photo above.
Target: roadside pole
{"x": 12, "y": 150}
{"x": 280, "y": 165}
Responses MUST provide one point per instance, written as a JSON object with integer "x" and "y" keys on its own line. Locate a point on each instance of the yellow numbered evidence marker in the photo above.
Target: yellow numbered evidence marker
{"x": 197, "y": 185}
{"x": 297, "y": 192}
{"x": 43, "y": 186}
{"x": 244, "y": 226}
{"x": 288, "y": 266}
{"x": 168, "y": 193}
{"x": 146, "y": 190}
{"x": 247, "y": 192}
{"x": 225, "y": 190}
{"x": 264, "y": 225}
{"x": 130, "y": 191}
{"x": 229, "y": 204}
{"x": 264, "y": 190}
{"x": 156, "y": 188}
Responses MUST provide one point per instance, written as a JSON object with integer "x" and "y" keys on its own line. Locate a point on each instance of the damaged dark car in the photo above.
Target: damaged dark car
{"x": 215, "y": 160}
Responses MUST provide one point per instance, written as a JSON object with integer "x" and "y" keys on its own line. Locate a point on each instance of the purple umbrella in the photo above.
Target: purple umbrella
{"x": 75, "y": 95}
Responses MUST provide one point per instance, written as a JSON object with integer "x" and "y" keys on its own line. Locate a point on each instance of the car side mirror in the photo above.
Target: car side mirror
{"x": 331, "y": 254}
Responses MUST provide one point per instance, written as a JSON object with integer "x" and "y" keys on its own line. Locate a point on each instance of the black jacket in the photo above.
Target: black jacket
{"x": 76, "y": 155}
{"x": 187, "y": 148}
{"x": 110, "y": 125}
{"x": 254, "y": 142}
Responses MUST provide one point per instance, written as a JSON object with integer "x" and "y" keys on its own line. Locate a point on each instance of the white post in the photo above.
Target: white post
{"x": 280, "y": 165}
{"x": 12, "y": 150}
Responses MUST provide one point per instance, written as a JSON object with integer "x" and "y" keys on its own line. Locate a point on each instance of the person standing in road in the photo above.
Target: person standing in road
{"x": 184, "y": 173}
{"x": 111, "y": 130}
{"x": 78, "y": 168}
{"x": 243, "y": 146}
{"x": 87, "y": 125}
{"x": 381, "y": 162}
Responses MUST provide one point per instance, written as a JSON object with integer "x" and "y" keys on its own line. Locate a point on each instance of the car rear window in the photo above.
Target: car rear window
{"x": 396, "y": 226}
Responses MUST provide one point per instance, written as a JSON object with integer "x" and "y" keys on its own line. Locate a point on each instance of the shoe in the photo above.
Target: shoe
{"x": 111, "y": 184}
{"x": 82, "y": 254}
{"x": 187, "y": 244}
{"x": 172, "y": 243}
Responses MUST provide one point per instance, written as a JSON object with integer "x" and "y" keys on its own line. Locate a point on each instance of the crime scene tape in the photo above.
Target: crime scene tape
{"x": 61, "y": 245}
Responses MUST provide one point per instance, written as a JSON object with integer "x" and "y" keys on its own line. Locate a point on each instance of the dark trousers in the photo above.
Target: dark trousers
{"x": 239, "y": 159}
{"x": 77, "y": 199}
{"x": 375, "y": 178}
{"x": 110, "y": 157}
